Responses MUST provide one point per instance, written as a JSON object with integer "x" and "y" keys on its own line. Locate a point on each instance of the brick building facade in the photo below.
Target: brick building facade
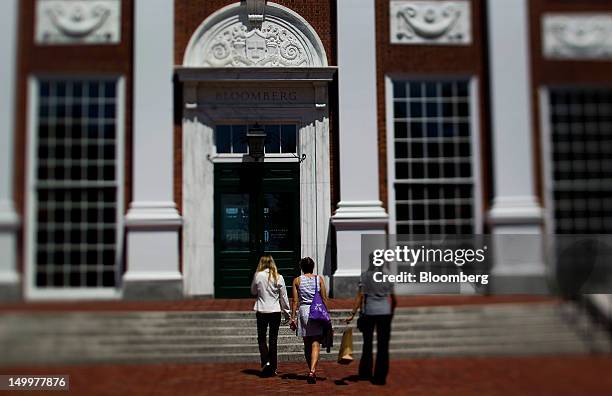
{"x": 129, "y": 166}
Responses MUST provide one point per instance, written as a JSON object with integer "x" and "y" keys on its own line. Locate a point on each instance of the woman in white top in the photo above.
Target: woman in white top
{"x": 269, "y": 287}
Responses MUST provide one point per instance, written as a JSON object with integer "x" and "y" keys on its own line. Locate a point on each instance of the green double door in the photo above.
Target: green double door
{"x": 257, "y": 211}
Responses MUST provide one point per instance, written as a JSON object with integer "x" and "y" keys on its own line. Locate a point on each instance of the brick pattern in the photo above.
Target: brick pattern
{"x": 568, "y": 375}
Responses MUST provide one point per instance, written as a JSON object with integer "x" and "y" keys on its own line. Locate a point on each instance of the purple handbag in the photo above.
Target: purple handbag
{"x": 318, "y": 310}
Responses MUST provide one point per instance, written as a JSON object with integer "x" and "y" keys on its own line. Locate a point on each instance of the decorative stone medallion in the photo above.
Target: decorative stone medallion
{"x": 430, "y": 22}
{"x": 577, "y": 36}
{"x": 78, "y": 21}
{"x": 272, "y": 45}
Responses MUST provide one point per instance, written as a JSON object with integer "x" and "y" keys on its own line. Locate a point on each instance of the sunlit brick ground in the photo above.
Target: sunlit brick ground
{"x": 560, "y": 376}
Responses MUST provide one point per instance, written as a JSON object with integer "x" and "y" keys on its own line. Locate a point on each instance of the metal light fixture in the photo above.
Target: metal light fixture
{"x": 256, "y": 135}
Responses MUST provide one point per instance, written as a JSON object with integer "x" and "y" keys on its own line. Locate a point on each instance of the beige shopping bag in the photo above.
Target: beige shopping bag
{"x": 345, "y": 356}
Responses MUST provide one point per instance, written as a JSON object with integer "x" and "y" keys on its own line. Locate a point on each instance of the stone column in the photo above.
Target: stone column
{"x": 515, "y": 207}
{"x": 153, "y": 222}
{"x": 9, "y": 220}
{"x": 359, "y": 211}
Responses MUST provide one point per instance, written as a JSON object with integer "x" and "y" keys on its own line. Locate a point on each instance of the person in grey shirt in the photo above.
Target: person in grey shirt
{"x": 376, "y": 302}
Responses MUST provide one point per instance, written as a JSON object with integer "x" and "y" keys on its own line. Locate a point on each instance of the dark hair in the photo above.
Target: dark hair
{"x": 307, "y": 265}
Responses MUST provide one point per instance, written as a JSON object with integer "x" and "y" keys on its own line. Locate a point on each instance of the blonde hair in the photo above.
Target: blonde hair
{"x": 267, "y": 262}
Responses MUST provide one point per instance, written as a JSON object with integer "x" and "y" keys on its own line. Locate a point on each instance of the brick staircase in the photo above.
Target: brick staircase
{"x": 547, "y": 328}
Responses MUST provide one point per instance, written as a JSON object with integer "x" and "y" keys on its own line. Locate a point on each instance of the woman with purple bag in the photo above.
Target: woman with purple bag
{"x": 313, "y": 321}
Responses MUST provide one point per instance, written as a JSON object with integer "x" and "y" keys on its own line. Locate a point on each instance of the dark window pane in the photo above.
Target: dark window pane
{"x": 399, "y": 109}
{"x": 432, "y": 109}
{"x": 431, "y": 89}
{"x": 416, "y": 129}
{"x": 239, "y": 139}
{"x": 223, "y": 139}
{"x": 399, "y": 89}
{"x": 272, "y": 141}
{"x": 416, "y": 90}
{"x": 401, "y": 130}
{"x": 401, "y": 171}
{"x": 401, "y": 150}
{"x": 288, "y": 139}
{"x": 416, "y": 109}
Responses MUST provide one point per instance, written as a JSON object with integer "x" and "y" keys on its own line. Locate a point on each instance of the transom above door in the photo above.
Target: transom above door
{"x": 231, "y": 139}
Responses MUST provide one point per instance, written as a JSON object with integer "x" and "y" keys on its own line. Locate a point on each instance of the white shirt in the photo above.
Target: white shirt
{"x": 270, "y": 297}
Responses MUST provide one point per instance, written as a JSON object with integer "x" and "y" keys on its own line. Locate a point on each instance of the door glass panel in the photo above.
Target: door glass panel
{"x": 277, "y": 221}
{"x": 235, "y": 222}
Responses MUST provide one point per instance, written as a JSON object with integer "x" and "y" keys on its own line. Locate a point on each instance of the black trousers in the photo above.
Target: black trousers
{"x": 382, "y": 324}
{"x": 268, "y": 352}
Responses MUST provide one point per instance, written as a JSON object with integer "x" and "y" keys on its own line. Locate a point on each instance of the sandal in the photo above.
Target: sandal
{"x": 312, "y": 378}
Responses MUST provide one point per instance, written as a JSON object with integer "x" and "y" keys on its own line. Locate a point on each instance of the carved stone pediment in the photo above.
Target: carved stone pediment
{"x": 78, "y": 21}
{"x": 430, "y": 22}
{"x": 272, "y": 46}
{"x": 232, "y": 37}
{"x": 577, "y": 36}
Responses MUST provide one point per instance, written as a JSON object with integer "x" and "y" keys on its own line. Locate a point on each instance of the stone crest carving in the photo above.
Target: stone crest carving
{"x": 255, "y": 33}
{"x": 430, "y": 22}
{"x": 78, "y": 21}
{"x": 272, "y": 45}
{"x": 577, "y": 36}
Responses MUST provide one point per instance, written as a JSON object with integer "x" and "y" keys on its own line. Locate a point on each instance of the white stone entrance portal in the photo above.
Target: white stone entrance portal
{"x": 244, "y": 66}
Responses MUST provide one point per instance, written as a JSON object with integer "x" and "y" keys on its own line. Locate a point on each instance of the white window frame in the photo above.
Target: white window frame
{"x": 547, "y": 158}
{"x": 475, "y": 135}
{"x": 31, "y": 291}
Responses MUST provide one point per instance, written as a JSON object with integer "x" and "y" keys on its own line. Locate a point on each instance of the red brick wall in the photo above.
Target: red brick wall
{"x": 438, "y": 60}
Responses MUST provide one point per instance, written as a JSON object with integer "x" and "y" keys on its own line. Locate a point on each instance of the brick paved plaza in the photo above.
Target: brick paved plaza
{"x": 558, "y": 376}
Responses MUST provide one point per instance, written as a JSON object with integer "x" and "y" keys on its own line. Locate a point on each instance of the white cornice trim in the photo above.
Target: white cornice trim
{"x": 245, "y": 74}
{"x": 347, "y": 273}
{"x": 358, "y": 214}
{"x": 153, "y": 216}
{"x": 9, "y": 219}
{"x": 146, "y": 276}
{"x": 515, "y": 210}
